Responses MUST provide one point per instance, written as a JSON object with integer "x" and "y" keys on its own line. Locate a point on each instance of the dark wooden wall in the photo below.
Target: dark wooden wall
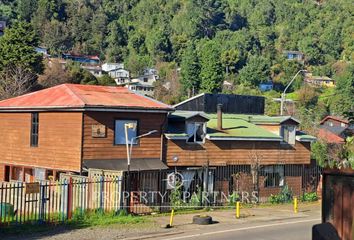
{"x": 232, "y": 103}
{"x": 221, "y": 153}
{"x": 104, "y": 148}
{"x": 59, "y": 144}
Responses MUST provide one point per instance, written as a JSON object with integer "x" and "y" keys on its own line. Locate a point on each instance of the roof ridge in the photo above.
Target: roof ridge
{"x": 72, "y": 91}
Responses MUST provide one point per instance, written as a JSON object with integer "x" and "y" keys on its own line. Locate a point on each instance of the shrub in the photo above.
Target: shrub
{"x": 284, "y": 196}
{"x": 309, "y": 197}
{"x": 234, "y": 197}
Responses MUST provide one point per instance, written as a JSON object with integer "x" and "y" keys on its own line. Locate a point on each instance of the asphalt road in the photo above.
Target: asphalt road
{"x": 292, "y": 229}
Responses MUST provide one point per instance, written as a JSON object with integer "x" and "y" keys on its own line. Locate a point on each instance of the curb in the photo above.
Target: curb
{"x": 154, "y": 235}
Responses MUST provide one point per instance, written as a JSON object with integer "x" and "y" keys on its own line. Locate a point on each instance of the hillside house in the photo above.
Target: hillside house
{"x": 117, "y": 72}
{"x": 71, "y": 128}
{"x": 334, "y": 129}
{"x": 319, "y": 81}
{"x": 84, "y": 59}
{"x": 294, "y": 55}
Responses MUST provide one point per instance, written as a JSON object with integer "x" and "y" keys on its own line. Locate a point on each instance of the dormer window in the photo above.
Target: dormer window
{"x": 196, "y": 132}
{"x": 288, "y": 132}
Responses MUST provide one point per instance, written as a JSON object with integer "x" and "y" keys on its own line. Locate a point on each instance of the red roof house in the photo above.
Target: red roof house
{"x": 72, "y": 128}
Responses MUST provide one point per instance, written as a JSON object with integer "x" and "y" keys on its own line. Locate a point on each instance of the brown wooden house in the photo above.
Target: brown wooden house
{"x": 70, "y": 128}
{"x": 235, "y": 142}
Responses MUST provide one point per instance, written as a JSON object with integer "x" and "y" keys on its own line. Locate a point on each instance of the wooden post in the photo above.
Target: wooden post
{"x": 70, "y": 198}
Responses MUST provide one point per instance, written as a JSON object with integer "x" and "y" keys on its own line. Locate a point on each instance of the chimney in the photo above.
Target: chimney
{"x": 219, "y": 114}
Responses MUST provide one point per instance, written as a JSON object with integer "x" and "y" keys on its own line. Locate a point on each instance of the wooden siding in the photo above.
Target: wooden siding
{"x": 221, "y": 153}
{"x": 2, "y": 172}
{"x": 59, "y": 147}
{"x": 104, "y": 148}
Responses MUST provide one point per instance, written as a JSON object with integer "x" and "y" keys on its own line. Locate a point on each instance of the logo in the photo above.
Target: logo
{"x": 175, "y": 180}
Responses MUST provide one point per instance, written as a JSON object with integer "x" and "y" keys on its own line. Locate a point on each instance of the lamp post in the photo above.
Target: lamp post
{"x": 283, "y": 96}
{"x": 130, "y": 149}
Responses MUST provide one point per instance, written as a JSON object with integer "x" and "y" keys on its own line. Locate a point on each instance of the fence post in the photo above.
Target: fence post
{"x": 70, "y": 198}
{"x": 101, "y": 193}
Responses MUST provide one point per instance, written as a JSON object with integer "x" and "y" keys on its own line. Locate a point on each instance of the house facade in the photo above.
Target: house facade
{"x": 71, "y": 128}
{"x": 335, "y": 129}
{"x": 270, "y": 150}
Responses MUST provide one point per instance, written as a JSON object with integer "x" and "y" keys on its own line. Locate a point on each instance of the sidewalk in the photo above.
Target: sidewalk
{"x": 182, "y": 224}
{"x": 248, "y": 215}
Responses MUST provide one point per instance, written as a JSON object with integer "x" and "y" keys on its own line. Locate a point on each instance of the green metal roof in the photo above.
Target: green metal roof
{"x": 238, "y": 129}
{"x": 235, "y": 127}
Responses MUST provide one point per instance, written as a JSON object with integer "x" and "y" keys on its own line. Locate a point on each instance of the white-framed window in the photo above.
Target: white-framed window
{"x": 288, "y": 133}
{"x": 196, "y": 132}
{"x": 119, "y": 133}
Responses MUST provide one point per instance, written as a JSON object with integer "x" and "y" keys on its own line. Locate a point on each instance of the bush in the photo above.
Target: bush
{"x": 234, "y": 197}
{"x": 309, "y": 197}
{"x": 284, "y": 196}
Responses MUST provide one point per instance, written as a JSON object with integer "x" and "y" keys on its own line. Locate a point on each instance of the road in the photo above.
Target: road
{"x": 278, "y": 230}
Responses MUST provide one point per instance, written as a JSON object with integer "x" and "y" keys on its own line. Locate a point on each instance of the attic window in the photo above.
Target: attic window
{"x": 288, "y": 132}
{"x": 196, "y": 132}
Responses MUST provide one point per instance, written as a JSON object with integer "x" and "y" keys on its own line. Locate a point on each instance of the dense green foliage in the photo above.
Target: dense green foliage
{"x": 16, "y": 48}
{"x": 309, "y": 197}
{"x": 285, "y": 196}
{"x": 241, "y": 41}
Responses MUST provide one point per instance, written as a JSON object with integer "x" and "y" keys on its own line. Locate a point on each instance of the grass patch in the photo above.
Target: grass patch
{"x": 79, "y": 220}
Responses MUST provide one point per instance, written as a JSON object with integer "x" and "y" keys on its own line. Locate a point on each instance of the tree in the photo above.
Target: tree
{"x": 56, "y": 37}
{"x": 190, "y": 70}
{"x": 343, "y": 99}
{"x": 211, "y": 73}
{"x": 255, "y": 72}
{"x": 54, "y": 74}
{"x": 16, "y": 80}
{"x": 17, "y": 48}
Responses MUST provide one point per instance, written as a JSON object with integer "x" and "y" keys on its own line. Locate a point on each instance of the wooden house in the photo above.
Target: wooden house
{"x": 226, "y": 131}
{"x": 70, "y": 128}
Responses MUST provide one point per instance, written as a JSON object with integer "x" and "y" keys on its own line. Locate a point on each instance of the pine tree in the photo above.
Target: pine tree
{"x": 190, "y": 70}
{"x": 17, "y": 48}
{"x": 211, "y": 72}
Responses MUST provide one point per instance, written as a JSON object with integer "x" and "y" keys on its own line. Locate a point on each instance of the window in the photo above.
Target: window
{"x": 120, "y": 131}
{"x": 34, "y": 129}
{"x": 343, "y": 125}
{"x": 145, "y": 79}
{"x": 273, "y": 176}
{"x": 288, "y": 133}
{"x": 196, "y": 132}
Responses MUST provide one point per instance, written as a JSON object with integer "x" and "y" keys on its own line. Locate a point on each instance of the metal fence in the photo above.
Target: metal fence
{"x": 57, "y": 201}
{"x": 152, "y": 191}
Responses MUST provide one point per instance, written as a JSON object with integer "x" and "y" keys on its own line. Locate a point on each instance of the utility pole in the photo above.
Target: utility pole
{"x": 283, "y": 95}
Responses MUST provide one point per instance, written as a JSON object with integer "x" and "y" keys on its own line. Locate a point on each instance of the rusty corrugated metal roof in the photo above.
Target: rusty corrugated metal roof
{"x": 83, "y": 96}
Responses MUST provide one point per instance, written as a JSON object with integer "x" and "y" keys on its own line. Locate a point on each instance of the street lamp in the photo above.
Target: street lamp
{"x": 283, "y": 96}
{"x": 130, "y": 149}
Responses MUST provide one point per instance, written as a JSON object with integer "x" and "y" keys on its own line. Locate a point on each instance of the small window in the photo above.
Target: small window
{"x": 120, "y": 131}
{"x": 196, "y": 132}
{"x": 288, "y": 133}
{"x": 343, "y": 125}
{"x": 34, "y": 129}
{"x": 274, "y": 176}
{"x": 145, "y": 79}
